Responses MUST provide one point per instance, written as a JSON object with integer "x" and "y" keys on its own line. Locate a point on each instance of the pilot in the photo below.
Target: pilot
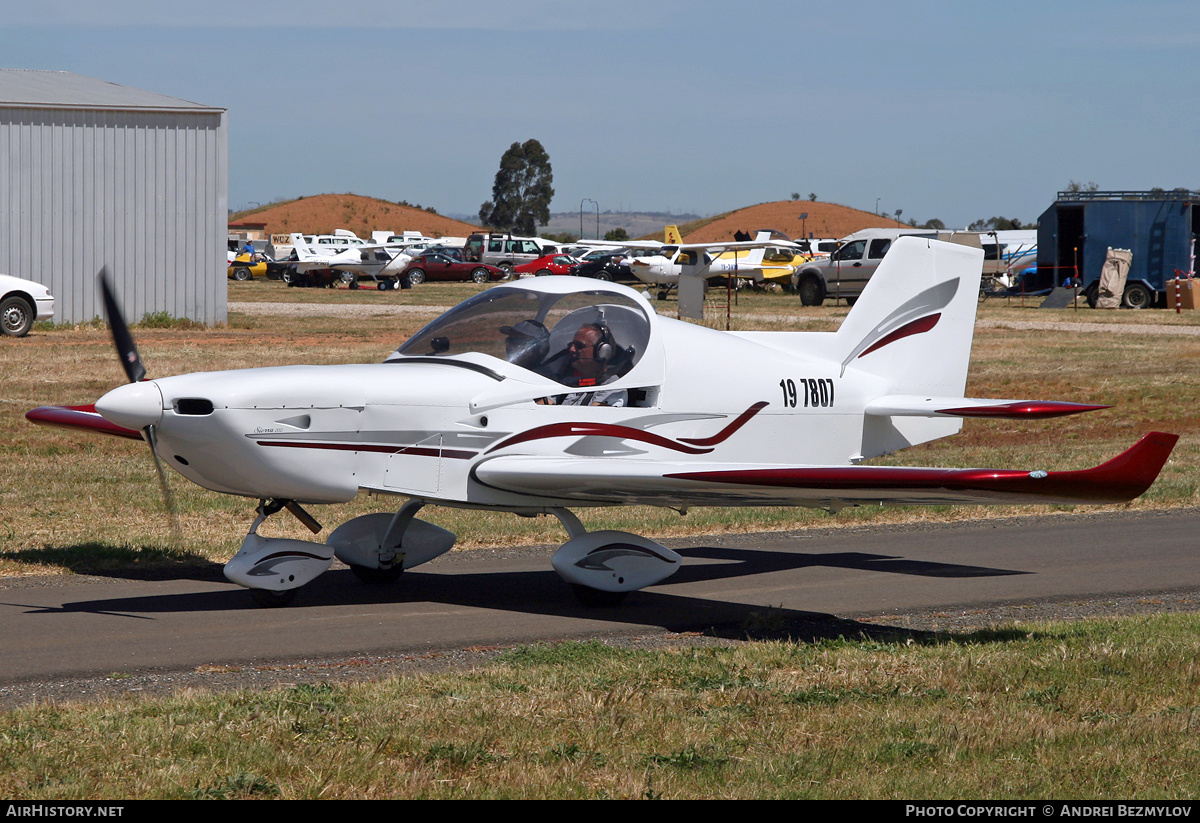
{"x": 590, "y": 358}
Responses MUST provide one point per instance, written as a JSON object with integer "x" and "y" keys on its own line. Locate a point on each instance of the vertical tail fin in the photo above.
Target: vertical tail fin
{"x": 914, "y": 322}
{"x": 303, "y": 252}
{"x": 671, "y": 235}
{"x": 912, "y": 328}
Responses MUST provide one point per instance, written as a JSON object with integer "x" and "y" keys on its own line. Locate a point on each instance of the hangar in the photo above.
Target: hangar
{"x": 97, "y": 174}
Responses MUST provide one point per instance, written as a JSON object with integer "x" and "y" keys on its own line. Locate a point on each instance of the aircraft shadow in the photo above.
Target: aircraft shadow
{"x": 741, "y": 562}
{"x": 543, "y": 593}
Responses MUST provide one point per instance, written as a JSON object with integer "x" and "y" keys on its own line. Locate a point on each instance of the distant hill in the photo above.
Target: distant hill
{"x": 824, "y": 220}
{"x": 322, "y": 213}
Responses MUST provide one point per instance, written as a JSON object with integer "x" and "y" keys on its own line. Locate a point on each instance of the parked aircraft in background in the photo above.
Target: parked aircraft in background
{"x": 689, "y": 266}
{"x": 384, "y": 264}
{"x": 546, "y": 394}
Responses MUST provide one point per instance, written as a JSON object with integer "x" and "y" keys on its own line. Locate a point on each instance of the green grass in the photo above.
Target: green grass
{"x": 1095, "y": 709}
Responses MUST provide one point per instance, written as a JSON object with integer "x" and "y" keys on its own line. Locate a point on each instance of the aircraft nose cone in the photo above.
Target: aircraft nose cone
{"x": 134, "y": 405}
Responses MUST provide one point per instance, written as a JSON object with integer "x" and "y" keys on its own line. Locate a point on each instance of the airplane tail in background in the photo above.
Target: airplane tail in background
{"x": 912, "y": 327}
{"x": 671, "y": 235}
{"x": 303, "y": 252}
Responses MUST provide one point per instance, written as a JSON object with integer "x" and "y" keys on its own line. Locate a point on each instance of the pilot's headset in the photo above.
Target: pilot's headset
{"x": 605, "y": 348}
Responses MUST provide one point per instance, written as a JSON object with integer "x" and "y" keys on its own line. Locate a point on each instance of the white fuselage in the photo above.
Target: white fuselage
{"x": 318, "y": 434}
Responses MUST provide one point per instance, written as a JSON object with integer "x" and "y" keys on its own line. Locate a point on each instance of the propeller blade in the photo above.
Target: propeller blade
{"x": 131, "y": 361}
{"x": 168, "y": 498}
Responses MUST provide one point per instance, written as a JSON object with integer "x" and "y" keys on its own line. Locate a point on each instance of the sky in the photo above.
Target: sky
{"x": 949, "y": 110}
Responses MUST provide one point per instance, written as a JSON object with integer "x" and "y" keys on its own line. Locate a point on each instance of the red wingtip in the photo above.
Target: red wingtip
{"x": 1135, "y": 469}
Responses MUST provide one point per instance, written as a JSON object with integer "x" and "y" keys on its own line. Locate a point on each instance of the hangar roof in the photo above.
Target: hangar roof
{"x": 32, "y": 88}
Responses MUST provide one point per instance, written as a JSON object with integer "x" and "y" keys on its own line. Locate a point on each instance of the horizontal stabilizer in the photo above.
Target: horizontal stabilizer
{"x": 921, "y": 406}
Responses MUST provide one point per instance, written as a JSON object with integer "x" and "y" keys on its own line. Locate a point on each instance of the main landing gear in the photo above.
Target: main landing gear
{"x": 601, "y": 567}
{"x": 604, "y": 566}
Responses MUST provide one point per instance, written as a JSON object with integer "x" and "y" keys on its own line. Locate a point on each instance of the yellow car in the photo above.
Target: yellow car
{"x": 243, "y": 268}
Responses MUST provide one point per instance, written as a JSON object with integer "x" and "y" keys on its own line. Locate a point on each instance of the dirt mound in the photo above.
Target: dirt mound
{"x": 824, "y": 220}
{"x": 323, "y": 213}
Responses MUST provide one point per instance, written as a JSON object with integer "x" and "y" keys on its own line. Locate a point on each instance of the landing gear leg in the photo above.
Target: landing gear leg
{"x": 379, "y": 547}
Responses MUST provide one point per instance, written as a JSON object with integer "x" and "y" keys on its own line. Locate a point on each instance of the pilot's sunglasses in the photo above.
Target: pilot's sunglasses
{"x": 578, "y": 346}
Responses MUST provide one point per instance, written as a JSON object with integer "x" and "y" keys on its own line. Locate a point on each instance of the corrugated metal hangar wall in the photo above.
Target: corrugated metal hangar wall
{"x": 94, "y": 174}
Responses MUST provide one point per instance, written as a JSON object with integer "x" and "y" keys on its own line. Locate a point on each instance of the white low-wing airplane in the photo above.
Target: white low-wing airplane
{"x": 703, "y": 260}
{"x": 383, "y": 263}
{"x": 547, "y": 394}
{"x": 687, "y": 266}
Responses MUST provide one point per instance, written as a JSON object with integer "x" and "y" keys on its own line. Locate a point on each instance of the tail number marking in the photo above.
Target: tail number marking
{"x": 812, "y": 393}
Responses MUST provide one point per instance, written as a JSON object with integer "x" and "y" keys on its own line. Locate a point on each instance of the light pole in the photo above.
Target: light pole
{"x": 877, "y": 199}
{"x": 803, "y": 232}
{"x": 597, "y": 205}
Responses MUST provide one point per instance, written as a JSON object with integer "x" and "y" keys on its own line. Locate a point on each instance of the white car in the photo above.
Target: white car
{"x": 24, "y": 302}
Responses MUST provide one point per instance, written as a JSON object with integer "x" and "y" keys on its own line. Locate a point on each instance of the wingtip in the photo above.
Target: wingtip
{"x": 1133, "y": 471}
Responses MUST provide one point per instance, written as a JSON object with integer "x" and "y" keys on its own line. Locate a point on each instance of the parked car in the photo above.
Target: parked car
{"x": 453, "y": 252}
{"x": 23, "y": 302}
{"x": 440, "y": 267}
{"x": 606, "y": 264}
{"x": 243, "y": 268}
{"x": 550, "y": 264}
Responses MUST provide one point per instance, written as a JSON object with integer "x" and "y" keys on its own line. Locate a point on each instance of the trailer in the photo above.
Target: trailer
{"x": 1076, "y": 232}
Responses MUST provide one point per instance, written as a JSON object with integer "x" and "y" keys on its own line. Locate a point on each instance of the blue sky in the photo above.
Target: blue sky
{"x": 954, "y": 110}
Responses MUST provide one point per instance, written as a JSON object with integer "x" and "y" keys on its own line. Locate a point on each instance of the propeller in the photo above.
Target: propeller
{"x": 135, "y": 404}
{"x": 131, "y": 361}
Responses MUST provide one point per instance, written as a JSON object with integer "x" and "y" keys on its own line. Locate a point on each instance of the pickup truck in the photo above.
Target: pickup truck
{"x": 845, "y": 272}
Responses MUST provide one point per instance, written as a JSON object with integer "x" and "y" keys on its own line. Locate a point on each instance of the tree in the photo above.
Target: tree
{"x": 522, "y": 192}
{"x": 617, "y": 234}
{"x": 999, "y": 224}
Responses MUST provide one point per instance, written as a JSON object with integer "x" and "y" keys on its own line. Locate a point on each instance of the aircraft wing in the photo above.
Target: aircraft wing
{"x": 689, "y": 483}
{"x": 731, "y": 245}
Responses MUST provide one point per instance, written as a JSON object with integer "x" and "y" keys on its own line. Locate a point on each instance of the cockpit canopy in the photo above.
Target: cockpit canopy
{"x": 533, "y": 329}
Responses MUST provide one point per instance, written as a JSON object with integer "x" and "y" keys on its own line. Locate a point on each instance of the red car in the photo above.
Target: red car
{"x": 440, "y": 267}
{"x": 550, "y": 264}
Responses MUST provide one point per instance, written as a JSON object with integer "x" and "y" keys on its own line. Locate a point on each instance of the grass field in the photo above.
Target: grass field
{"x": 1102, "y": 709}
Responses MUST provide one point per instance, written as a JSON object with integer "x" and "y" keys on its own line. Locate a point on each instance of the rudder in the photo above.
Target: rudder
{"x": 912, "y": 329}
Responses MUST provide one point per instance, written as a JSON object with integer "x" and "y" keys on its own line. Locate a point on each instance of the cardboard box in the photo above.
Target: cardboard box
{"x": 1188, "y": 289}
{"x": 1187, "y": 293}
